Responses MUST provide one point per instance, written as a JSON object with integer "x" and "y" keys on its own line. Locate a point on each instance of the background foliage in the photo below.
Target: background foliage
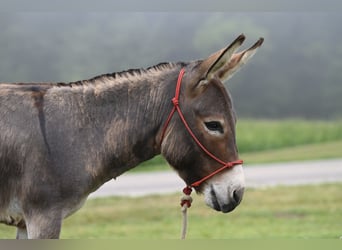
{"x": 297, "y": 73}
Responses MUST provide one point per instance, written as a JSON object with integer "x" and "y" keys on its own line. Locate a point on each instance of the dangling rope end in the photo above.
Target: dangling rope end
{"x": 186, "y": 201}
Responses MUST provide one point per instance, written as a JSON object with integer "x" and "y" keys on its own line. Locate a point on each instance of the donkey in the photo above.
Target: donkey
{"x": 61, "y": 141}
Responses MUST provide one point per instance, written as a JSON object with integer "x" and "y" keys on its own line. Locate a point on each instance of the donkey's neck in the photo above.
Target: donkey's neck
{"x": 130, "y": 109}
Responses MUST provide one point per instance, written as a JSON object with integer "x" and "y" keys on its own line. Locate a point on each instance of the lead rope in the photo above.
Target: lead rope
{"x": 186, "y": 201}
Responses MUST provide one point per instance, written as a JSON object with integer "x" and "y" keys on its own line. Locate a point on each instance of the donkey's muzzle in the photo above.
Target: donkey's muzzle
{"x": 224, "y": 192}
{"x": 234, "y": 199}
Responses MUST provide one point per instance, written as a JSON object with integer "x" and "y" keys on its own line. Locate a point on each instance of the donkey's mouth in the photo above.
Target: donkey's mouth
{"x": 215, "y": 204}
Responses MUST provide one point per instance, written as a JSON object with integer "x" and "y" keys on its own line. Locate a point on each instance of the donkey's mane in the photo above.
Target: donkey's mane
{"x": 113, "y": 78}
{"x": 122, "y": 74}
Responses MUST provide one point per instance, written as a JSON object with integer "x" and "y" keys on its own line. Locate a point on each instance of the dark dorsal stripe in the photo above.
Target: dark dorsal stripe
{"x": 122, "y": 74}
{"x": 116, "y": 75}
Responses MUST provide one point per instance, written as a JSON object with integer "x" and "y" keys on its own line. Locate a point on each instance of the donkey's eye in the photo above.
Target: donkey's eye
{"x": 214, "y": 126}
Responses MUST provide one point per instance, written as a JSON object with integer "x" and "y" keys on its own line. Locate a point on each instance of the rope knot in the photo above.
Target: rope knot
{"x": 229, "y": 164}
{"x": 186, "y": 199}
{"x": 187, "y": 190}
{"x": 175, "y": 101}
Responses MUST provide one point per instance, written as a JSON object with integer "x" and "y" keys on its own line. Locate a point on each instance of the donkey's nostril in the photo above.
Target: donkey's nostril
{"x": 224, "y": 200}
{"x": 238, "y": 194}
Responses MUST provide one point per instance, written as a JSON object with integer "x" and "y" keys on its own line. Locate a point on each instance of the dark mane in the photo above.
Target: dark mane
{"x": 103, "y": 77}
{"x": 117, "y": 75}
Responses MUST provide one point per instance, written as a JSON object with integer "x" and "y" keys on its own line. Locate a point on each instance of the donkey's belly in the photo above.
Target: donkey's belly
{"x": 13, "y": 214}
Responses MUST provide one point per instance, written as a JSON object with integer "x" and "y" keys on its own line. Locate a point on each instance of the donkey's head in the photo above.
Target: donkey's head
{"x": 207, "y": 108}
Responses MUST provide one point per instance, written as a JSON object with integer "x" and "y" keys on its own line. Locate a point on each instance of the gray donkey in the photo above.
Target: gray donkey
{"x": 61, "y": 141}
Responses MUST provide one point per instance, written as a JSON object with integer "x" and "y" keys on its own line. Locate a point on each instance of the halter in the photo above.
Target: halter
{"x": 175, "y": 101}
{"x": 186, "y": 199}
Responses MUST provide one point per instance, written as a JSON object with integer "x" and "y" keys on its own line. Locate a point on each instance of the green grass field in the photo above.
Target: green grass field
{"x": 326, "y": 150}
{"x": 261, "y": 135}
{"x": 310, "y": 212}
{"x": 282, "y": 212}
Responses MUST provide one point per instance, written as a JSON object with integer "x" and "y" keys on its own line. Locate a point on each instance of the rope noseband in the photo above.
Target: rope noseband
{"x": 186, "y": 199}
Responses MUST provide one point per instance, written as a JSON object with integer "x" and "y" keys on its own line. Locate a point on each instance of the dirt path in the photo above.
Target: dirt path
{"x": 294, "y": 173}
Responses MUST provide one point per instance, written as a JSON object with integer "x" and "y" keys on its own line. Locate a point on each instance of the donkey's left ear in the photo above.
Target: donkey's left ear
{"x": 224, "y": 63}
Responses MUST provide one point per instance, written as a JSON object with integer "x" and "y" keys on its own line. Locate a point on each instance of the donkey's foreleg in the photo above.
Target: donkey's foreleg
{"x": 45, "y": 225}
{"x": 21, "y": 233}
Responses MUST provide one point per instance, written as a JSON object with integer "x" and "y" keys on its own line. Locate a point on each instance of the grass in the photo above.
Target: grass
{"x": 261, "y": 135}
{"x": 327, "y": 150}
{"x": 310, "y": 212}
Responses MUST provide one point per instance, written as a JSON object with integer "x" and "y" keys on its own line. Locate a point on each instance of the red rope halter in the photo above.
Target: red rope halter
{"x": 175, "y": 100}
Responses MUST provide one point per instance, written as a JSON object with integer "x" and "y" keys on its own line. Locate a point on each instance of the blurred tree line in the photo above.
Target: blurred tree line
{"x": 296, "y": 73}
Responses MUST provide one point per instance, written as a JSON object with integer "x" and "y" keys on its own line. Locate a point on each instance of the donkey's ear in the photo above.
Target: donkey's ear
{"x": 237, "y": 61}
{"x": 224, "y": 63}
